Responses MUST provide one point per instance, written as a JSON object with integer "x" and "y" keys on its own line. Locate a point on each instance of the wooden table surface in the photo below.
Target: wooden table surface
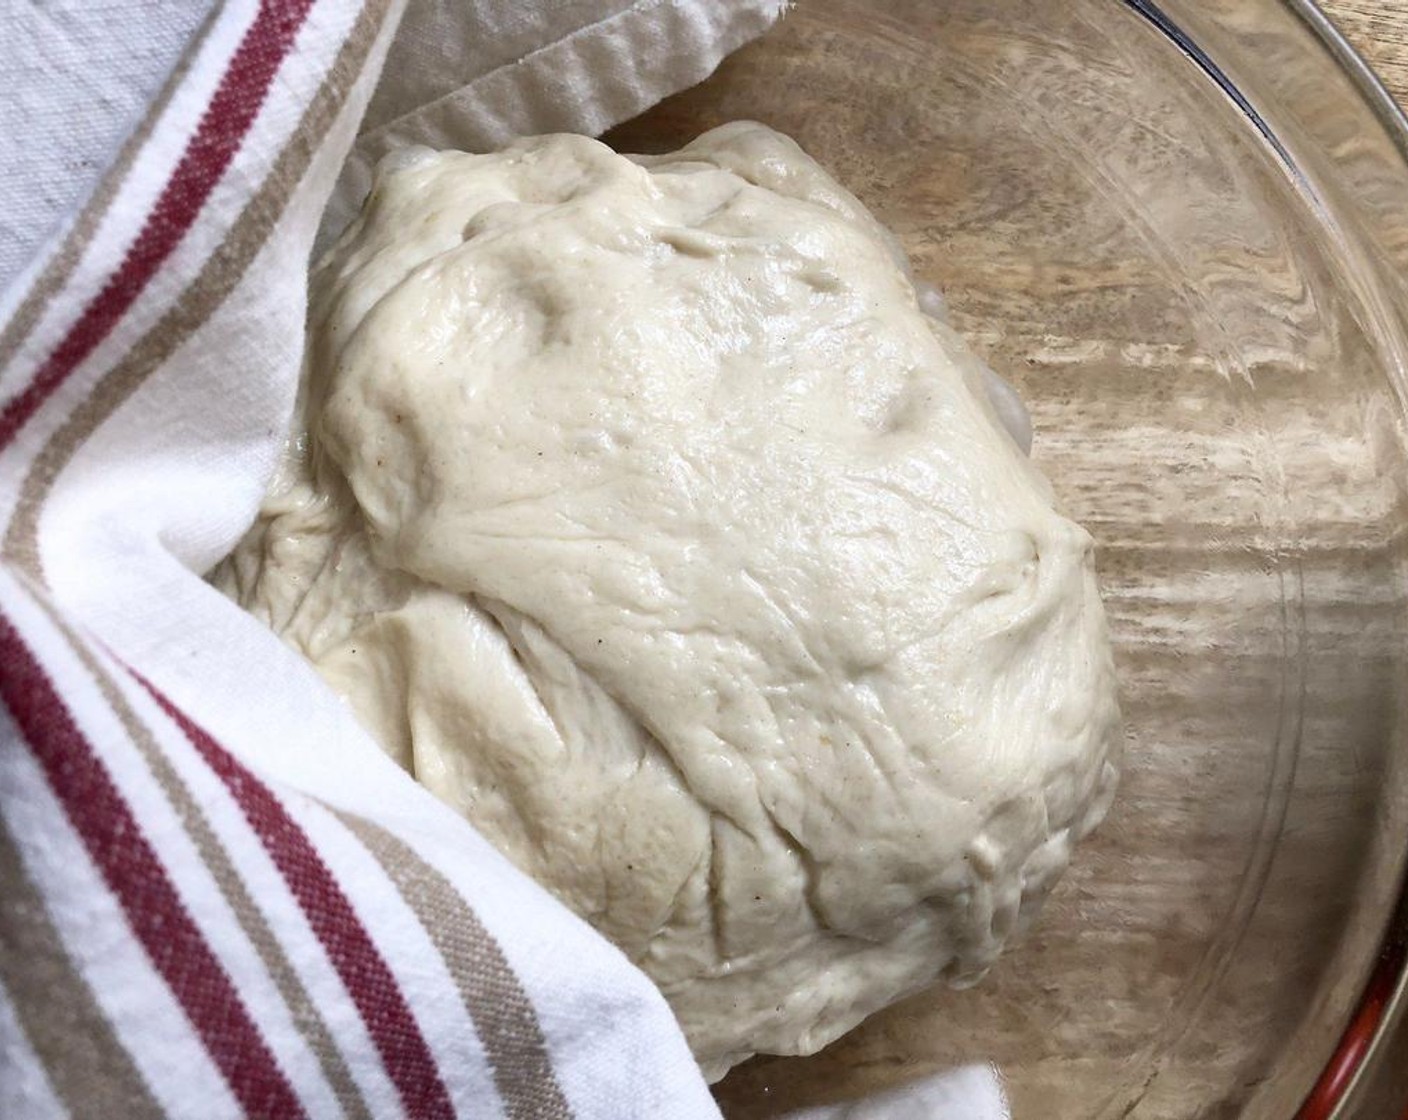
{"x": 1379, "y": 29}
{"x": 1110, "y": 999}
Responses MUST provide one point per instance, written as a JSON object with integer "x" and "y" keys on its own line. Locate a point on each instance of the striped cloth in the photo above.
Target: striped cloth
{"x": 217, "y": 896}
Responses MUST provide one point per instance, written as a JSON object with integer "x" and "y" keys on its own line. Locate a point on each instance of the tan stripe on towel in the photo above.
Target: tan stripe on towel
{"x": 217, "y": 279}
{"x": 219, "y": 276}
{"x": 302, "y": 1010}
{"x": 61, "y": 265}
{"x": 89, "y": 1070}
{"x": 501, "y": 1010}
{"x": 499, "y": 1007}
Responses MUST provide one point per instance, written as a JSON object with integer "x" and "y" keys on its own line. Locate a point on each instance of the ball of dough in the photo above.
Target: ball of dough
{"x": 645, "y": 517}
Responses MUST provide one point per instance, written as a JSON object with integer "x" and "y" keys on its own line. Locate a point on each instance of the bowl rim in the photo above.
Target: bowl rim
{"x": 1378, "y": 1019}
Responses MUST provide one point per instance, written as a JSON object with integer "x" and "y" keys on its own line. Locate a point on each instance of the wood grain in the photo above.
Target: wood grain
{"x": 1379, "y": 31}
{"x": 1211, "y": 406}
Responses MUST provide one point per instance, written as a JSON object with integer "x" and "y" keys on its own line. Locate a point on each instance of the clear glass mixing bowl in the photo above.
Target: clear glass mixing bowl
{"x": 1182, "y": 232}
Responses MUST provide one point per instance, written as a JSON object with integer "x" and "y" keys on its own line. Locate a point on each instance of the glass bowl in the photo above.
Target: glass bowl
{"x": 1182, "y": 233}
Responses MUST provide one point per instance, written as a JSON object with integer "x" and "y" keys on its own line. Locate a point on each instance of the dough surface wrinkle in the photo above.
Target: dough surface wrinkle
{"x": 642, "y": 512}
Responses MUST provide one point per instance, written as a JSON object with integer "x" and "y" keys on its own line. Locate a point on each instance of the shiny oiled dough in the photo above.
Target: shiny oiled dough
{"x": 644, "y": 516}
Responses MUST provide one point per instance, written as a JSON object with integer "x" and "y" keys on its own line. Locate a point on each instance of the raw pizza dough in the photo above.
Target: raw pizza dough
{"x": 647, "y": 520}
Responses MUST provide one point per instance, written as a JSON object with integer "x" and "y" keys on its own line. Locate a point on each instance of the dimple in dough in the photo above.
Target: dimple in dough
{"x": 645, "y": 517}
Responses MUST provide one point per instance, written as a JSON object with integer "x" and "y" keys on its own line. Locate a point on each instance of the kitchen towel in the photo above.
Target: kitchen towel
{"x": 217, "y": 896}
